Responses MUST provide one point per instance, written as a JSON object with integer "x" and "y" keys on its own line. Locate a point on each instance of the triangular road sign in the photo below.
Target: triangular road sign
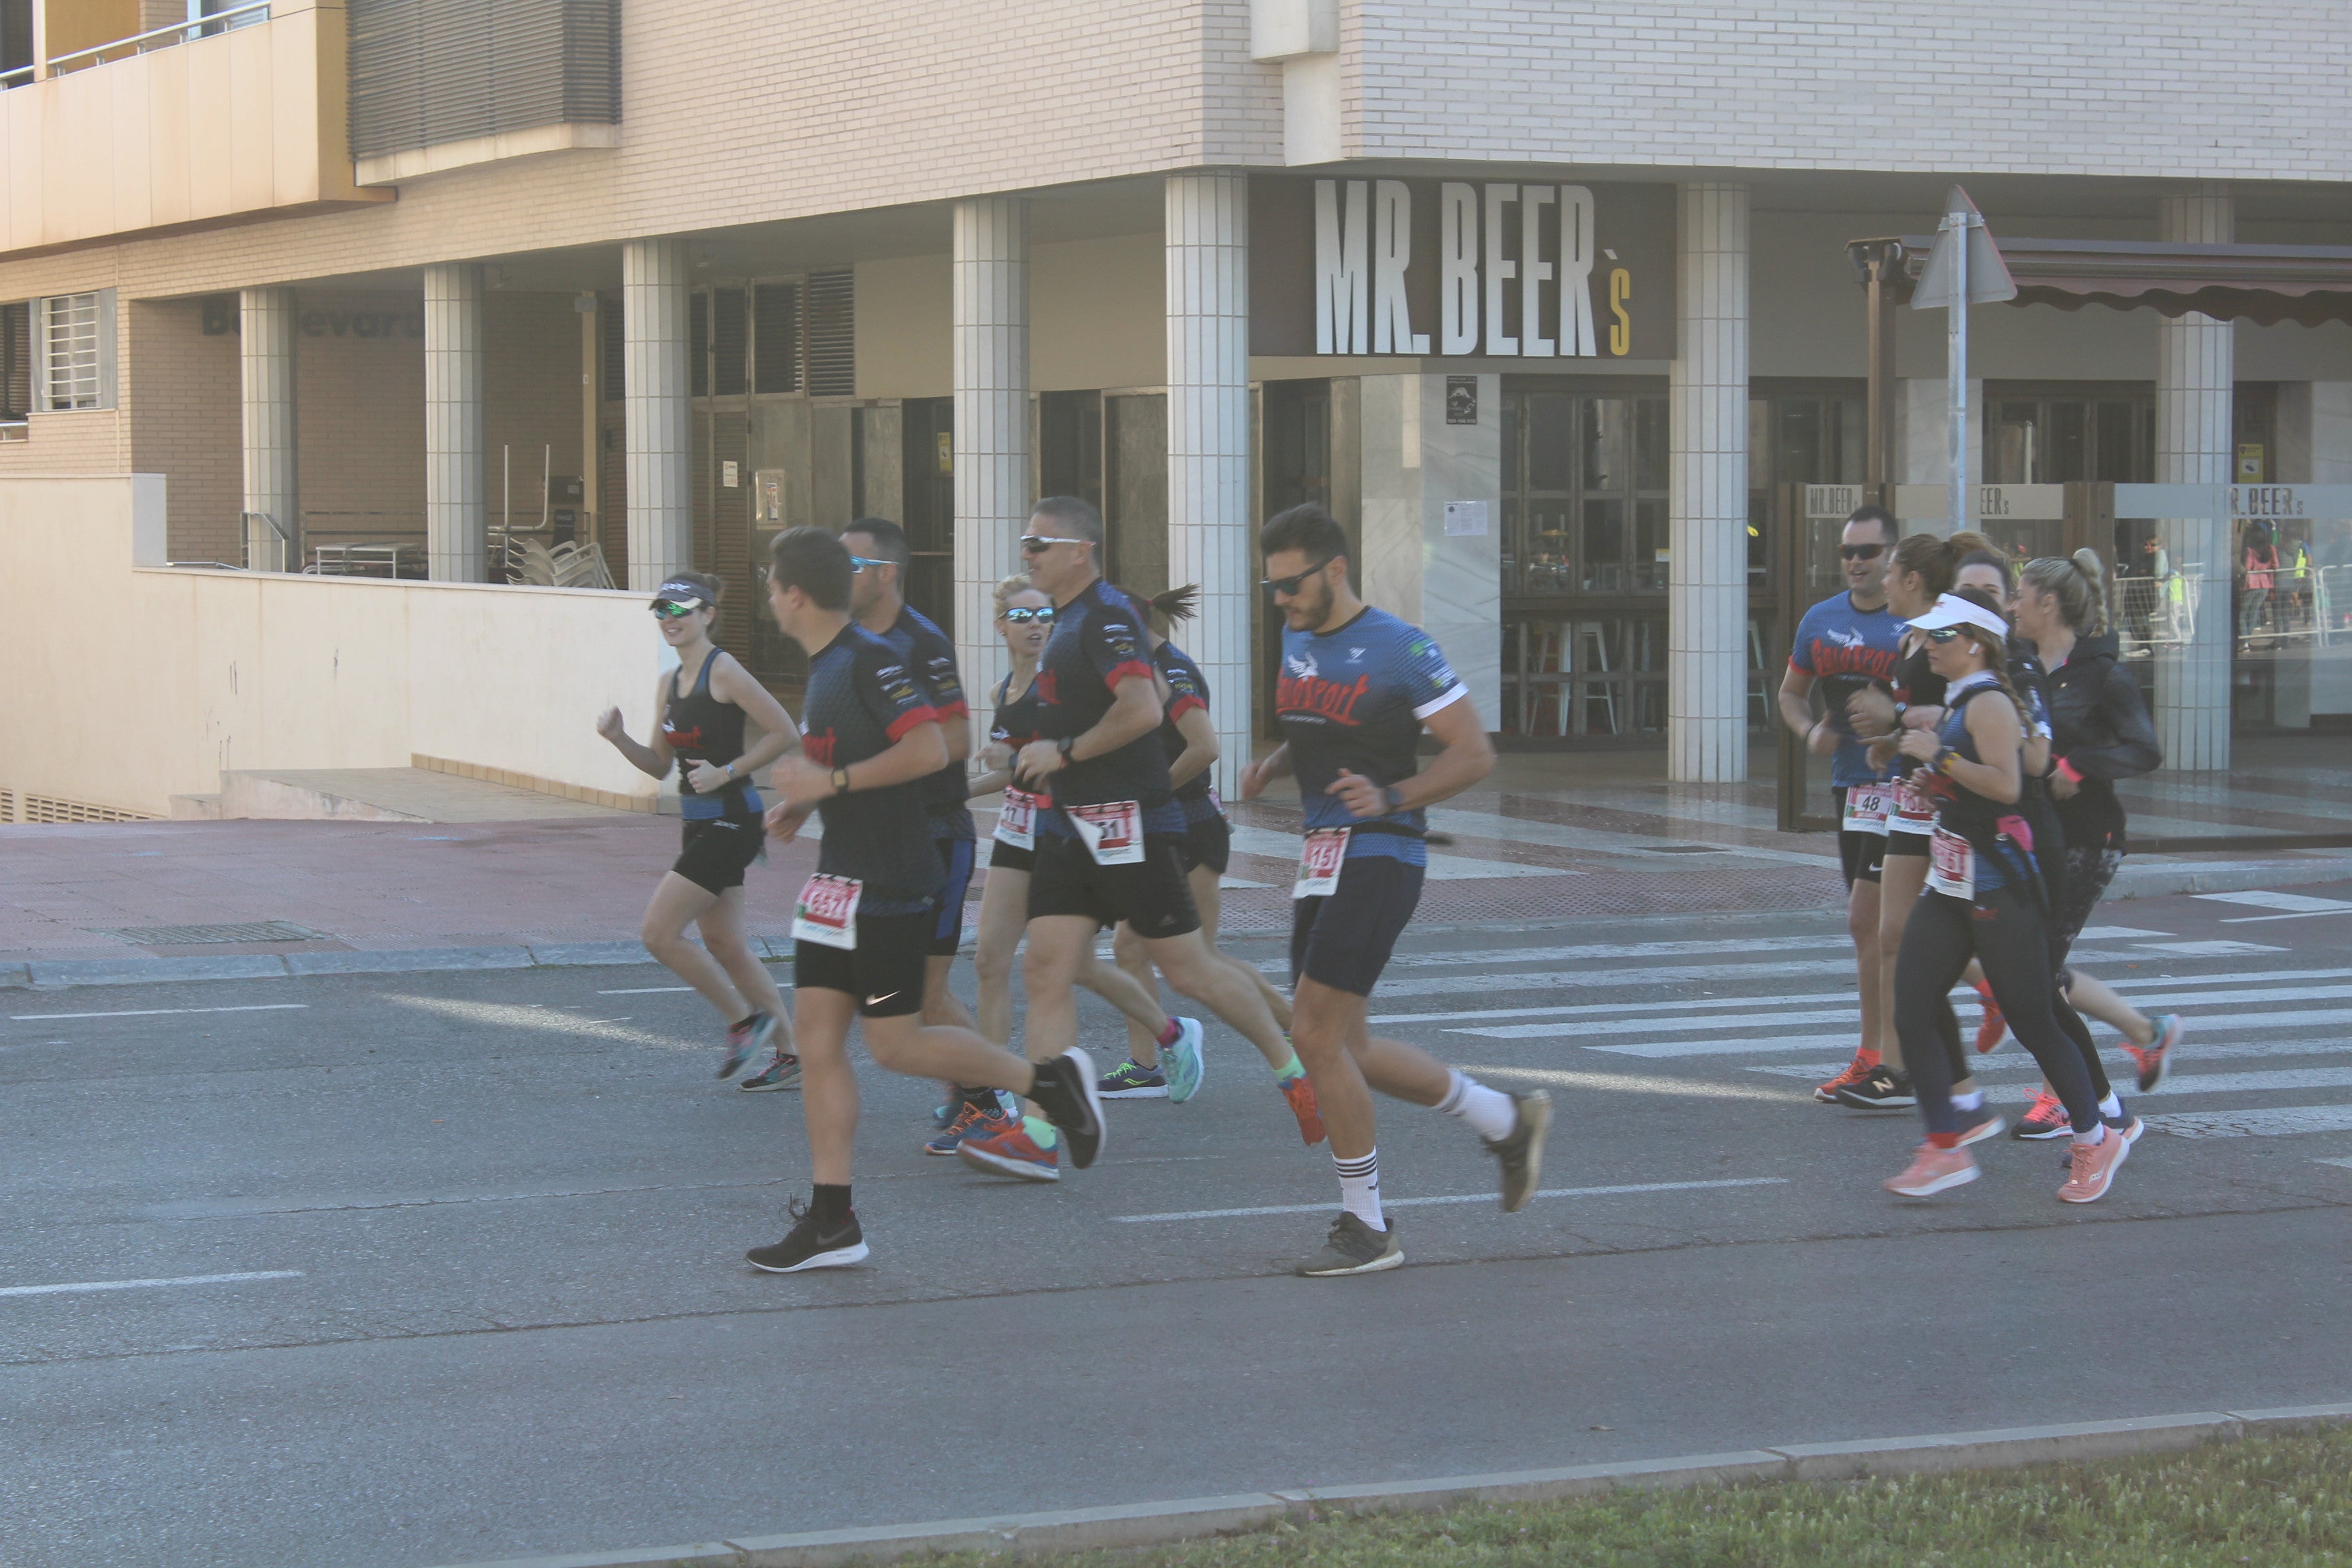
{"x": 1988, "y": 278}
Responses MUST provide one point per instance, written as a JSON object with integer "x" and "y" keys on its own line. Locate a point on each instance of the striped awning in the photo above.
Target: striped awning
{"x": 2264, "y": 283}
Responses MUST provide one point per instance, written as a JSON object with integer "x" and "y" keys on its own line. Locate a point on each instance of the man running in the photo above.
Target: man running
{"x": 1358, "y": 687}
{"x": 1108, "y": 847}
{"x": 863, "y": 925}
{"x": 1843, "y": 643}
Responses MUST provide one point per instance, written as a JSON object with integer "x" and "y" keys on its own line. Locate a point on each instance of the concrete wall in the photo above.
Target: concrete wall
{"x": 201, "y": 671}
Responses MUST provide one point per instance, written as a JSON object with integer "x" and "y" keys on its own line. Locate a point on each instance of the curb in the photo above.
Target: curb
{"x": 1161, "y": 1524}
{"x": 2159, "y": 879}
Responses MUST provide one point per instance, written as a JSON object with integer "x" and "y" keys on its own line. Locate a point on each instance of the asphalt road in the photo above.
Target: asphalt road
{"x": 445, "y": 1267}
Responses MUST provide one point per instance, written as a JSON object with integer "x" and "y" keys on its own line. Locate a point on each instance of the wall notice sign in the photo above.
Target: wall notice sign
{"x": 1462, "y": 400}
{"x": 2250, "y": 462}
{"x": 728, "y": 476}
{"x": 1466, "y": 519}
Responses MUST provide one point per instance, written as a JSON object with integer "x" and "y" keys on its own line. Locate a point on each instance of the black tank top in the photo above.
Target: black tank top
{"x": 1017, "y": 720}
{"x": 701, "y": 728}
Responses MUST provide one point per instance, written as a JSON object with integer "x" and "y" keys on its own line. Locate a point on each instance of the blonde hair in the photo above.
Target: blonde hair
{"x": 2080, "y": 584}
{"x": 1017, "y": 583}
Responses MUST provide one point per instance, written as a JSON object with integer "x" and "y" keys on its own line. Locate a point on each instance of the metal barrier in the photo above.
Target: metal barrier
{"x": 155, "y": 39}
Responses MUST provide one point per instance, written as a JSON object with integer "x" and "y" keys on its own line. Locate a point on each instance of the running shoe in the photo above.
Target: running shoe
{"x": 1012, "y": 1153}
{"x": 1300, "y": 1095}
{"x": 972, "y": 1122}
{"x": 1979, "y": 1124}
{"x": 2094, "y": 1168}
{"x": 1064, "y": 1091}
{"x": 2126, "y": 1126}
{"x": 1354, "y": 1248}
{"x": 746, "y": 1040}
{"x": 1132, "y": 1081}
{"x": 1882, "y": 1089}
{"x": 2156, "y": 1061}
{"x": 784, "y": 1072}
{"x": 1862, "y": 1065}
{"x": 2044, "y": 1119}
{"x": 1993, "y": 1025}
{"x": 1932, "y": 1171}
{"x": 809, "y": 1245}
{"x": 1183, "y": 1062}
{"x": 1521, "y": 1152}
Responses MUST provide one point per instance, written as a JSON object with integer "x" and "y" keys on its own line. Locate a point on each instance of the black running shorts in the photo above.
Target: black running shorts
{"x": 1151, "y": 894}
{"x": 956, "y": 855}
{"x": 1208, "y": 842}
{"x": 1860, "y": 854}
{"x": 1003, "y": 857}
{"x": 885, "y": 975}
{"x": 1898, "y": 842}
{"x": 714, "y": 852}
{"x": 1344, "y": 940}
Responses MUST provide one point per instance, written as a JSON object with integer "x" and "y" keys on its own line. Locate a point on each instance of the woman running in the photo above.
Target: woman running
{"x": 2100, "y": 733}
{"x": 703, "y": 731}
{"x": 1024, "y": 619}
{"x": 1984, "y": 902}
{"x": 1191, "y": 741}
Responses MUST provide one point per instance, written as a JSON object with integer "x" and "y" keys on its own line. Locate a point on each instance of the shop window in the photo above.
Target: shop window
{"x": 1584, "y": 493}
{"x": 928, "y": 477}
{"x": 729, "y": 342}
{"x": 1801, "y": 435}
{"x": 1135, "y": 482}
{"x": 74, "y": 342}
{"x": 1070, "y": 445}
{"x": 2034, "y": 438}
{"x": 776, "y": 337}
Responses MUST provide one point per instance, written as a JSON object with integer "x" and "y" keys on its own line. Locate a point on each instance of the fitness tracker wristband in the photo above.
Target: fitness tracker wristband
{"x": 1392, "y": 797}
{"x": 1063, "y": 745}
{"x": 840, "y": 778}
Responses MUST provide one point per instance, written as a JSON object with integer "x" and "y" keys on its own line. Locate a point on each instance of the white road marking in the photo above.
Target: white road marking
{"x": 1662, "y": 975}
{"x": 2116, "y": 934}
{"x": 2303, "y": 903}
{"x": 157, "y": 1012}
{"x": 2207, "y": 949}
{"x": 2218, "y": 1083}
{"x": 507, "y": 1015}
{"x": 2280, "y": 1123}
{"x": 147, "y": 1284}
{"x": 1664, "y": 1049}
{"x": 1267, "y": 844}
{"x": 1458, "y": 1198}
{"x": 1603, "y": 949}
{"x": 646, "y": 991}
{"x": 1636, "y": 1083}
{"x": 2256, "y": 919}
{"x": 1586, "y": 1027}
{"x": 2346, "y": 1164}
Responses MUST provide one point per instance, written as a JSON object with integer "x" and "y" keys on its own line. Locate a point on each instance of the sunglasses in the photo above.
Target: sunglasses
{"x": 1022, "y": 617}
{"x": 1035, "y": 543}
{"x": 1285, "y": 587}
{"x": 670, "y": 610}
{"x": 1943, "y": 635}
{"x": 859, "y": 564}
{"x": 1861, "y": 552}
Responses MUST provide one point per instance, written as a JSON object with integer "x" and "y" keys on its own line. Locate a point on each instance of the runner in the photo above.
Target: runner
{"x": 1191, "y": 741}
{"x": 864, "y": 921}
{"x": 1985, "y": 901}
{"x": 1358, "y": 687}
{"x": 2101, "y": 734}
{"x": 1108, "y": 845}
{"x": 702, "y": 730}
{"x": 1024, "y": 619}
{"x": 1843, "y": 643}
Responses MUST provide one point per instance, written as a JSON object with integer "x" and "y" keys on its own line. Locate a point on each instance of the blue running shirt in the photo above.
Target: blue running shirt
{"x": 929, "y": 658}
{"x": 1843, "y": 649}
{"x": 1096, "y": 644}
{"x": 861, "y": 703}
{"x": 1355, "y": 699}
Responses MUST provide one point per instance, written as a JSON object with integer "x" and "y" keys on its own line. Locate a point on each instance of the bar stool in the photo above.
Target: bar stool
{"x": 1591, "y": 655}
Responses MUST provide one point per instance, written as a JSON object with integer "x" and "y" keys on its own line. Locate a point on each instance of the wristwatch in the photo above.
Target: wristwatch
{"x": 1063, "y": 745}
{"x": 840, "y": 778}
{"x": 1392, "y": 797}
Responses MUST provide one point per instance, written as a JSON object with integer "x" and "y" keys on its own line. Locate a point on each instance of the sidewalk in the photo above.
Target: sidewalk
{"x": 82, "y": 904}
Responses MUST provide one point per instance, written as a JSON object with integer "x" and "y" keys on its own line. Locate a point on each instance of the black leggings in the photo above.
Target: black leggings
{"x": 2002, "y": 931}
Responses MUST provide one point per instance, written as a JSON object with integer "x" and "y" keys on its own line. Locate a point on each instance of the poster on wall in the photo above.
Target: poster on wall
{"x": 1540, "y": 271}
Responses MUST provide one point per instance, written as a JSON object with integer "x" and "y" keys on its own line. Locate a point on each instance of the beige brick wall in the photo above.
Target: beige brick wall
{"x": 360, "y": 414}
{"x": 185, "y": 423}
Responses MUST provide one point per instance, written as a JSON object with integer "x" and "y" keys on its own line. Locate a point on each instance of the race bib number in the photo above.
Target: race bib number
{"x": 1866, "y": 808}
{"x": 1016, "y": 820}
{"x": 1112, "y": 831}
{"x": 1319, "y": 860}
{"x": 826, "y": 913}
{"x": 1951, "y": 865}
{"x": 1914, "y": 808}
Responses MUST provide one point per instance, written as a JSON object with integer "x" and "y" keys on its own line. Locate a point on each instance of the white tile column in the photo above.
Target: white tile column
{"x": 1706, "y": 598}
{"x": 2196, "y": 370}
{"x": 991, "y": 267}
{"x": 266, "y": 349}
{"x": 657, "y": 415}
{"x": 1211, "y": 541}
{"x": 456, "y": 515}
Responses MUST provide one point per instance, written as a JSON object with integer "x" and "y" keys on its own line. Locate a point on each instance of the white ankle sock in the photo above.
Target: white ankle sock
{"x": 1972, "y": 1101}
{"x": 1360, "y": 1188}
{"x": 2113, "y": 1105}
{"x": 1490, "y": 1114}
{"x": 2098, "y": 1134}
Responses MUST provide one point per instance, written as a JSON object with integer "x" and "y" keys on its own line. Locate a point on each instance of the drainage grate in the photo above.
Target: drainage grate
{"x": 248, "y": 931}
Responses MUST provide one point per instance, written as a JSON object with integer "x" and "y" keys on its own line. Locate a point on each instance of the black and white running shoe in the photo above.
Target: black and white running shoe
{"x": 1066, "y": 1092}
{"x": 1354, "y": 1248}
{"x": 1883, "y": 1089}
{"x": 809, "y": 1246}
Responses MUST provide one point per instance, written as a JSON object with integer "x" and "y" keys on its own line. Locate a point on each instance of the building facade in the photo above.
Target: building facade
{"x": 1552, "y": 306}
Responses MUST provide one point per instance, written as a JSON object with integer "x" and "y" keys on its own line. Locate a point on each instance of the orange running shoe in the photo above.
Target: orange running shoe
{"x": 2094, "y": 1168}
{"x": 2043, "y": 1120}
{"x": 1300, "y": 1093}
{"x": 1864, "y": 1063}
{"x": 1931, "y": 1171}
{"x": 1993, "y": 1026}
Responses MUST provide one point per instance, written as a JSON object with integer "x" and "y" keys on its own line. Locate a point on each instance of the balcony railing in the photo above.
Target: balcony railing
{"x": 156, "y": 38}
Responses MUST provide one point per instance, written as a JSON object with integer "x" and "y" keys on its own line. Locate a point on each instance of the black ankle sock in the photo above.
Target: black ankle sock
{"x": 981, "y": 1099}
{"x": 829, "y": 1206}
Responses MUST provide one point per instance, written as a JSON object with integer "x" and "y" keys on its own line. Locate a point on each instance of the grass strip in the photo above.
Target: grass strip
{"x": 2271, "y": 1501}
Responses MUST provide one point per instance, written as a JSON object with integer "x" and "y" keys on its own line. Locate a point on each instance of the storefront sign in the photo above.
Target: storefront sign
{"x": 1462, "y": 400}
{"x": 1454, "y": 269}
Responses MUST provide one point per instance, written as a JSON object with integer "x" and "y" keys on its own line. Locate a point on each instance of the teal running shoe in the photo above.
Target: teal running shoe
{"x": 1182, "y": 1062}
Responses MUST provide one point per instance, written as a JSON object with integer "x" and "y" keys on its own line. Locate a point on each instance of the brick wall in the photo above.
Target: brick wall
{"x": 185, "y": 421}
{"x": 359, "y": 386}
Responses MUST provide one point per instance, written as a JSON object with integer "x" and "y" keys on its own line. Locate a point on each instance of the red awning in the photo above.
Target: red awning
{"x": 2263, "y": 283}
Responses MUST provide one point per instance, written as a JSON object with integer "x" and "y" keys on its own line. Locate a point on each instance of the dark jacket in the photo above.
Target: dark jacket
{"x": 2100, "y": 730}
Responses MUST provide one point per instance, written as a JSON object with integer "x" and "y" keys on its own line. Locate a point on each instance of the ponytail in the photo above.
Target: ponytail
{"x": 2079, "y": 583}
{"x": 1175, "y": 605}
{"x": 1934, "y": 561}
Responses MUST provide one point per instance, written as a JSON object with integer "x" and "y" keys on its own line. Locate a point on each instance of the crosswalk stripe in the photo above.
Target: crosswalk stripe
{"x": 2214, "y": 1083}
{"x": 2009, "y": 1059}
{"x": 1574, "y": 979}
{"x": 1462, "y": 1198}
{"x": 2277, "y": 1122}
{"x": 1800, "y": 999}
{"x": 1666, "y": 1048}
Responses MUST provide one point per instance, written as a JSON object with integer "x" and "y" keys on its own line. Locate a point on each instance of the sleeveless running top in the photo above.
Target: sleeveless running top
{"x": 1017, "y": 722}
{"x": 1986, "y": 823}
{"x": 700, "y": 727}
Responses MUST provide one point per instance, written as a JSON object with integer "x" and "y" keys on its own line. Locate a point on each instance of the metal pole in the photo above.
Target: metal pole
{"x": 1956, "y": 356}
